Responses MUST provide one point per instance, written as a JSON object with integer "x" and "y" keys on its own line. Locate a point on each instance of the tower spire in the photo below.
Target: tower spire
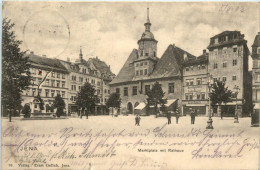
{"x": 147, "y": 24}
{"x": 80, "y": 55}
{"x": 148, "y": 20}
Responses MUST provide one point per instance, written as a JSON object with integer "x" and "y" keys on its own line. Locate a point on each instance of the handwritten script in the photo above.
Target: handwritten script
{"x": 119, "y": 148}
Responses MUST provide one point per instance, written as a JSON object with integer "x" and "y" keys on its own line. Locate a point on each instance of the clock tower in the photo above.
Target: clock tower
{"x": 147, "y": 51}
{"x": 147, "y": 43}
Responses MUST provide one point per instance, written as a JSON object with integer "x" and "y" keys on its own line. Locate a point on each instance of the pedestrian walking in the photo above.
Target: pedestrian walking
{"x": 169, "y": 117}
{"x": 138, "y": 120}
{"x": 177, "y": 115}
{"x": 193, "y": 115}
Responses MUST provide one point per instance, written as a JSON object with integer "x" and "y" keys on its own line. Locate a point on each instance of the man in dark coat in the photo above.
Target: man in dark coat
{"x": 169, "y": 117}
{"x": 136, "y": 120}
{"x": 177, "y": 115}
{"x": 193, "y": 115}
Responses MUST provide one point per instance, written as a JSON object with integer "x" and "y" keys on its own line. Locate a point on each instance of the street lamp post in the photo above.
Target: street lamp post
{"x": 210, "y": 121}
{"x": 236, "y": 88}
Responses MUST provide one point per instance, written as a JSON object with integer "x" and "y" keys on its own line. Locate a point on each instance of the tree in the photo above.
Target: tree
{"x": 59, "y": 104}
{"x": 114, "y": 101}
{"x": 86, "y": 98}
{"x": 220, "y": 94}
{"x": 155, "y": 96}
{"x": 16, "y": 75}
{"x": 26, "y": 111}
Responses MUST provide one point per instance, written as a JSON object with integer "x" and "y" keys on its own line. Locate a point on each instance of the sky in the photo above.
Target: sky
{"x": 110, "y": 30}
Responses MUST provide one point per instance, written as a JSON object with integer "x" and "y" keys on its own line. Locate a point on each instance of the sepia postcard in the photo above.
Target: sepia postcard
{"x": 130, "y": 85}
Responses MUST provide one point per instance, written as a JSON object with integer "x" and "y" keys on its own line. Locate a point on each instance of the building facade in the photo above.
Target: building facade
{"x": 228, "y": 61}
{"x": 66, "y": 78}
{"x": 143, "y": 68}
{"x": 93, "y": 71}
{"x": 256, "y": 71}
{"x": 195, "y": 84}
{"x": 56, "y": 82}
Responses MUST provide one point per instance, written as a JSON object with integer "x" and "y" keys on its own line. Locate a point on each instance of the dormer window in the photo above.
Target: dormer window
{"x": 258, "y": 50}
{"x": 185, "y": 56}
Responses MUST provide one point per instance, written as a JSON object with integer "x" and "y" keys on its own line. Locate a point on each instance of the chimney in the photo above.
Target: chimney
{"x": 109, "y": 67}
{"x": 204, "y": 51}
{"x": 258, "y": 33}
{"x": 173, "y": 45}
{"x": 31, "y": 52}
{"x": 68, "y": 59}
{"x": 44, "y": 55}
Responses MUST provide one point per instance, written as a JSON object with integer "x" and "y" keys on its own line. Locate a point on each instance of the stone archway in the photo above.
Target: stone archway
{"x": 130, "y": 108}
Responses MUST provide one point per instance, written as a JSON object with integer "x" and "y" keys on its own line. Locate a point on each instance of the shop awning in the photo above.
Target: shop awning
{"x": 140, "y": 106}
{"x": 170, "y": 102}
{"x": 195, "y": 105}
{"x": 230, "y": 103}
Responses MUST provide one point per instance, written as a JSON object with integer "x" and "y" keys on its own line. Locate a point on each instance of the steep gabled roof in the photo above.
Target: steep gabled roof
{"x": 170, "y": 64}
{"x": 70, "y": 66}
{"x": 257, "y": 40}
{"x": 127, "y": 72}
{"x": 101, "y": 66}
{"x": 47, "y": 63}
{"x": 202, "y": 59}
{"x": 225, "y": 33}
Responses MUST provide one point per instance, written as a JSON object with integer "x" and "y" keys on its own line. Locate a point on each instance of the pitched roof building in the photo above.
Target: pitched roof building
{"x": 94, "y": 71}
{"x": 66, "y": 78}
{"x": 195, "y": 84}
{"x": 143, "y": 68}
{"x": 49, "y": 78}
{"x": 228, "y": 62}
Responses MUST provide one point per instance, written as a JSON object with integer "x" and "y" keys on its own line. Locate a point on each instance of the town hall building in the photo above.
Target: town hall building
{"x": 143, "y": 68}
